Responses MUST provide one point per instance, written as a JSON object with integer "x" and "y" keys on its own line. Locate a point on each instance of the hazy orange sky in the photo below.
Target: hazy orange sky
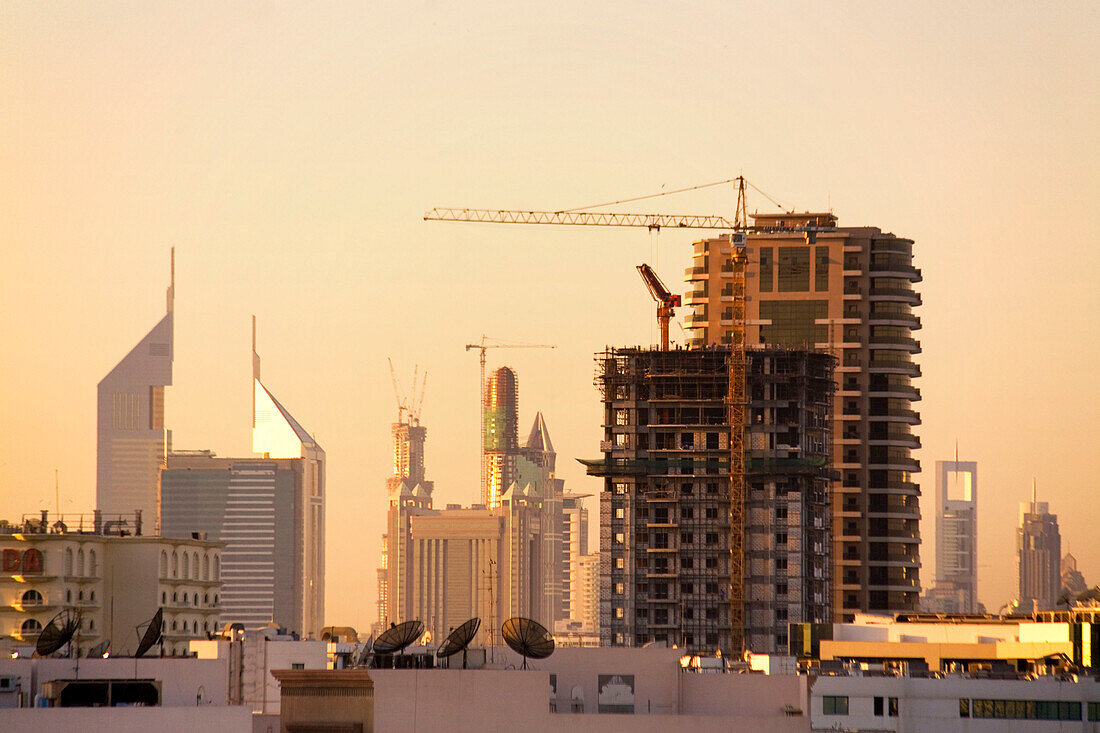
{"x": 288, "y": 152}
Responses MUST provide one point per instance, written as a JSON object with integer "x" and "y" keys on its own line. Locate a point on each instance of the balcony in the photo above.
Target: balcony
{"x": 695, "y": 274}
{"x": 887, "y": 293}
{"x": 894, "y": 319}
{"x": 909, "y": 344}
{"x": 895, "y": 269}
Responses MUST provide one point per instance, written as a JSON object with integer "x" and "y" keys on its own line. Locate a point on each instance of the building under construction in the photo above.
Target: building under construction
{"x": 670, "y": 526}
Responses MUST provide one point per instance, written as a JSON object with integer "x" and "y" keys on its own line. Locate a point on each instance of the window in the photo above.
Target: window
{"x": 712, "y": 538}
{"x": 794, "y": 269}
{"x": 712, "y": 562}
{"x": 92, "y": 563}
{"x": 893, "y": 707}
{"x": 619, "y": 513}
{"x": 80, "y": 562}
{"x": 835, "y": 704}
{"x": 622, "y": 417}
{"x": 619, "y": 487}
{"x": 686, "y": 563}
{"x": 31, "y": 598}
{"x": 175, "y": 565}
{"x": 619, "y": 589}
{"x": 712, "y": 512}
{"x": 1094, "y": 711}
{"x": 30, "y": 626}
{"x": 206, "y": 567}
{"x": 1022, "y": 709}
{"x": 821, "y": 268}
{"x": 618, "y": 613}
{"x": 68, "y": 561}
{"x": 793, "y": 323}
{"x": 781, "y": 538}
{"x": 767, "y": 276}
{"x": 687, "y": 538}
{"x": 620, "y": 538}
{"x": 163, "y": 564}
{"x": 964, "y": 707}
{"x": 619, "y": 563}
{"x": 687, "y": 513}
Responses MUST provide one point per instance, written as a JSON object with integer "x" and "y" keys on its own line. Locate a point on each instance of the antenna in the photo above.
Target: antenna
{"x": 152, "y": 633}
{"x": 528, "y": 638}
{"x": 58, "y": 632}
{"x": 100, "y": 649}
{"x": 458, "y": 640}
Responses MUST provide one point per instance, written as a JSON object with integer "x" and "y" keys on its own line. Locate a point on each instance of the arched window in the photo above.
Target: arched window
{"x": 174, "y": 628}
{"x": 80, "y": 562}
{"x": 206, "y": 567}
{"x": 164, "y": 598}
{"x": 68, "y": 595}
{"x": 31, "y": 598}
{"x": 217, "y": 567}
{"x": 194, "y": 566}
{"x": 92, "y": 563}
{"x": 68, "y": 561}
{"x": 80, "y": 595}
{"x": 175, "y": 564}
{"x": 164, "y": 563}
{"x": 31, "y": 626}
{"x": 91, "y": 596}
{"x": 175, "y": 597}
{"x": 186, "y": 565}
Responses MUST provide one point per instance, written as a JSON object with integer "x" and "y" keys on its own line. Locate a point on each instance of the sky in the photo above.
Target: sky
{"x": 288, "y": 151}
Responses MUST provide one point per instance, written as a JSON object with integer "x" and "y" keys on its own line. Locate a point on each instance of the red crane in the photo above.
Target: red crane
{"x": 666, "y": 301}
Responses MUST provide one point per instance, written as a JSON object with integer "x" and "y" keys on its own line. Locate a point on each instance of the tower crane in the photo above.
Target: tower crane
{"x": 666, "y": 301}
{"x": 736, "y": 399}
{"x": 408, "y": 405}
{"x": 482, "y": 346}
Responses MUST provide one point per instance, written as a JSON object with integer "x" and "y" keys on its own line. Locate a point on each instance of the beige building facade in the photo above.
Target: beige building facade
{"x": 847, "y": 291}
{"x": 116, "y": 584}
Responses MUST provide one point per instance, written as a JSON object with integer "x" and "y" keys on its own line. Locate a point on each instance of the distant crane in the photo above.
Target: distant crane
{"x": 482, "y": 346}
{"x": 738, "y": 359}
{"x": 408, "y": 405}
{"x": 666, "y": 301}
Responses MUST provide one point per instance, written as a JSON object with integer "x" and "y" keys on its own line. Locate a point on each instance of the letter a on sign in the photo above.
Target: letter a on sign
{"x": 32, "y": 561}
{"x": 11, "y": 561}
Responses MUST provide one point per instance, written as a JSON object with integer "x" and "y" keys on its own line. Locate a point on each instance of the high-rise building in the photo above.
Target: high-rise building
{"x": 1038, "y": 556}
{"x": 584, "y": 601}
{"x": 666, "y": 529}
{"x": 574, "y": 545}
{"x": 535, "y": 473}
{"x": 269, "y": 511}
{"x": 406, "y": 487}
{"x": 848, "y": 291}
{"x": 132, "y": 442}
{"x": 500, "y": 441}
{"x": 1073, "y": 582}
{"x": 956, "y": 588}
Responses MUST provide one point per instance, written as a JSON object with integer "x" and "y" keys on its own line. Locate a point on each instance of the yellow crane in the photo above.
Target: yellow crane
{"x": 737, "y": 361}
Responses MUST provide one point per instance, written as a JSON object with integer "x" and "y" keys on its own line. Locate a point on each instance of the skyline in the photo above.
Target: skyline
{"x": 288, "y": 194}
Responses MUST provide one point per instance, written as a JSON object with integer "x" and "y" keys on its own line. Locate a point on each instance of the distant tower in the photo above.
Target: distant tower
{"x": 956, "y": 536}
{"x": 132, "y": 443}
{"x": 1039, "y": 556}
{"x": 500, "y": 441}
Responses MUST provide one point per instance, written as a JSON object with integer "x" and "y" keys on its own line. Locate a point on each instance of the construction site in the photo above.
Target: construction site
{"x": 672, "y": 523}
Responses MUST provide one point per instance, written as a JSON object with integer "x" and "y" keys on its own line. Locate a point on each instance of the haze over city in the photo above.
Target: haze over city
{"x": 288, "y": 153}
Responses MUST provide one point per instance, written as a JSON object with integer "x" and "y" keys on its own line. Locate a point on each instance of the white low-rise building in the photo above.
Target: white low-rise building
{"x": 116, "y": 583}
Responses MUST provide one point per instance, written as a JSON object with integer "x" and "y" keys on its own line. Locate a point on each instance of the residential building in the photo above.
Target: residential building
{"x": 584, "y": 601}
{"x": 1038, "y": 556}
{"x": 131, "y": 439}
{"x": 666, "y": 531}
{"x": 500, "y": 439}
{"x": 92, "y": 565}
{"x": 847, "y": 291}
{"x": 269, "y": 511}
{"x": 956, "y": 587}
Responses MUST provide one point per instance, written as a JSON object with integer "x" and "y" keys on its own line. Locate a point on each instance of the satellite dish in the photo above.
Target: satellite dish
{"x": 396, "y": 638}
{"x": 100, "y": 649}
{"x": 527, "y": 637}
{"x": 57, "y": 633}
{"x": 152, "y": 633}
{"x": 458, "y": 640}
{"x": 365, "y": 652}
